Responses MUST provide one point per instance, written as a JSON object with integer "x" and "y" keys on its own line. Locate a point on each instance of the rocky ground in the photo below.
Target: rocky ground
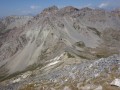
{"x": 88, "y": 75}
{"x": 61, "y": 49}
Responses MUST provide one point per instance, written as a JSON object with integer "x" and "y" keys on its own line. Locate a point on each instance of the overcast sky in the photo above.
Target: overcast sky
{"x": 32, "y": 7}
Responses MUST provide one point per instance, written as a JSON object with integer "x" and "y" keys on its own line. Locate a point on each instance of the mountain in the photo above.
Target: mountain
{"x": 60, "y": 47}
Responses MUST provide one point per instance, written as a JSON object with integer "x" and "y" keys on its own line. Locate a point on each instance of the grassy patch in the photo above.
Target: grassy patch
{"x": 103, "y": 52}
{"x": 28, "y": 87}
{"x": 86, "y": 55}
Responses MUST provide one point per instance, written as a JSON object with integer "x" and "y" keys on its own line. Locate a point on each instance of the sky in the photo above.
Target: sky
{"x": 32, "y": 7}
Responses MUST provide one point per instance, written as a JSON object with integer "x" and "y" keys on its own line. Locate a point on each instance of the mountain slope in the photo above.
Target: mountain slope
{"x": 57, "y": 37}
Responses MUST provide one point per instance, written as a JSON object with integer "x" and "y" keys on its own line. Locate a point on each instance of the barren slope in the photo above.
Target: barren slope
{"x": 57, "y": 37}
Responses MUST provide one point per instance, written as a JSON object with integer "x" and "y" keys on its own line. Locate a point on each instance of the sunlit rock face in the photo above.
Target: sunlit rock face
{"x": 59, "y": 46}
{"x": 116, "y": 82}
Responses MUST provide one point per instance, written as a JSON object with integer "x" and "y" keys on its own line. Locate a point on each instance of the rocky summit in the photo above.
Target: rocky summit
{"x": 61, "y": 49}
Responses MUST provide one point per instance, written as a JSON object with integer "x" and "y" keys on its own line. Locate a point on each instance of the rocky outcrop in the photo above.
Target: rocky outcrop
{"x": 116, "y": 82}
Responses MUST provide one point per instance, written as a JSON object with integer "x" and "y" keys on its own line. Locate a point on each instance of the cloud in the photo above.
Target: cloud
{"x": 103, "y": 5}
{"x": 34, "y": 7}
{"x": 109, "y": 4}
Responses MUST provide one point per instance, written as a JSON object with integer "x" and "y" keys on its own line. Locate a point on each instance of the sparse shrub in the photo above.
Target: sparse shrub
{"x": 105, "y": 51}
{"x": 28, "y": 87}
{"x": 52, "y": 34}
{"x": 95, "y": 30}
{"x": 80, "y": 44}
{"x": 76, "y": 26}
{"x": 70, "y": 56}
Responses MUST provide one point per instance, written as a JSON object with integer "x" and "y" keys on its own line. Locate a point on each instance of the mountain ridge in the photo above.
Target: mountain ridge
{"x": 57, "y": 38}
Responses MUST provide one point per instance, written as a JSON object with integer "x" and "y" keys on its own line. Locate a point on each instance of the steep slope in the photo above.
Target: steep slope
{"x": 47, "y": 35}
{"x": 56, "y": 37}
{"x": 15, "y": 21}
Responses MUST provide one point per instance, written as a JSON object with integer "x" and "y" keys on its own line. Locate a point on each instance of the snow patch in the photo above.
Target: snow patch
{"x": 96, "y": 75}
{"x": 55, "y": 60}
{"x": 90, "y": 65}
{"x": 52, "y": 63}
{"x": 25, "y": 75}
{"x": 58, "y": 57}
{"x": 16, "y": 80}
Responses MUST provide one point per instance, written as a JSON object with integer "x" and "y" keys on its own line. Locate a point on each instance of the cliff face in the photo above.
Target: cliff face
{"x": 56, "y": 38}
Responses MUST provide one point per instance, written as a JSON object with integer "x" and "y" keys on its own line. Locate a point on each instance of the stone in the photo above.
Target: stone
{"x": 116, "y": 82}
{"x": 98, "y": 88}
{"x": 66, "y": 88}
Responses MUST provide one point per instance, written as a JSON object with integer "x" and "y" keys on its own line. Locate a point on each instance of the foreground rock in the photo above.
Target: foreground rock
{"x": 116, "y": 82}
{"x": 95, "y": 75}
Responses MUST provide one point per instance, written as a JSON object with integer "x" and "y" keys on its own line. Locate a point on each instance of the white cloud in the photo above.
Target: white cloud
{"x": 103, "y": 5}
{"x": 34, "y": 7}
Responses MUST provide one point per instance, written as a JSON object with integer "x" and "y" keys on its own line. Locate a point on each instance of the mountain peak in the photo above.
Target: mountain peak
{"x": 51, "y": 9}
{"x": 86, "y": 9}
{"x": 70, "y": 9}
